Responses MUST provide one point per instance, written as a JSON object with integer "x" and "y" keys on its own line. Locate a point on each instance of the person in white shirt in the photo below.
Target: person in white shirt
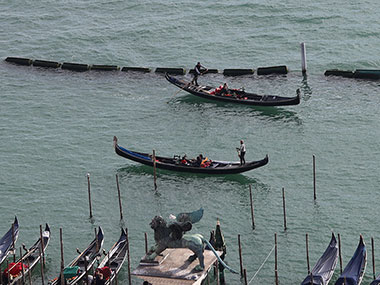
{"x": 242, "y": 151}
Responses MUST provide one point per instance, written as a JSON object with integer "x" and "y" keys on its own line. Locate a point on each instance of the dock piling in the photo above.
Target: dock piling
{"x": 307, "y": 253}
{"x": 154, "y": 169}
{"x": 303, "y": 58}
{"x": 252, "y": 209}
{"x": 373, "y": 258}
{"x": 62, "y": 260}
{"x": 146, "y": 242}
{"x": 340, "y": 254}
{"x": 284, "y": 208}
{"x": 118, "y": 193}
{"x": 240, "y": 257}
{"x": 275, "y": 259}
{"x": 314, "y": 179}
{"x": 89, "y": 193}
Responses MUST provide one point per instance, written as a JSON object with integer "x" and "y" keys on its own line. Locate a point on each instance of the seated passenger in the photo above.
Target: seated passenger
{"x": 184, "y": 159}
{"x": 199, "y": 160}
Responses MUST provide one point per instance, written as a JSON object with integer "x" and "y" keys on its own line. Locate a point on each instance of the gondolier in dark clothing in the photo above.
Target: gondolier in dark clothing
{"x": 198, "y": 70}
{"x": 241, "y": 152}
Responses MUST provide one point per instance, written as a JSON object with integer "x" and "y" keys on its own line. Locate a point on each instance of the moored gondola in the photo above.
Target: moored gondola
{"x": 186, "y": 165}
{"x": 77, "y": 269}
{"x": 233, "y": 95}
{"x": 354, "y": 270}
{"x": 111, "y": 264}
{"x": 28, "y": 261}
{"x": 323, "y": 270}
{"x": 8, "y": 241}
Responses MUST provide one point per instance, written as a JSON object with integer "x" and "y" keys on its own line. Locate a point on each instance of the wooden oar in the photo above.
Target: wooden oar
{"x": 174, "y": 95}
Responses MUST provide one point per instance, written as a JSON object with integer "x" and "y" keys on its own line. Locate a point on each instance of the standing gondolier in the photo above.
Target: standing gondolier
{"x": 198, "y": 70}
{"x": 241, "y": 152}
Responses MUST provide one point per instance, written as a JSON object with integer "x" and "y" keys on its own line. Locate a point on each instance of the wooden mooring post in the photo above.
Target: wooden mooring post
{"x": 89, "y": 193}
{"x": 154, "y": 169}
{"x": 240, "y": 257}
{"x": 128, "y": 259}
{"x": 146, "y": 242}
{"x": 314, "y": 179}
{"x": 118, "y": 193}
{"x": 340, "y": 254}
{"x": 62, "y": 260}
{"x": 373, "y": 258}
{"x": 275, "y": 260}
{"x": 307, "y": 253}
{"x": 284, "y": 207}
{"x": 252, "y": 209}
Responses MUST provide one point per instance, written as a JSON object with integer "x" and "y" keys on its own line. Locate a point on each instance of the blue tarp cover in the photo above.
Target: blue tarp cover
{"x": 354, "y": 269}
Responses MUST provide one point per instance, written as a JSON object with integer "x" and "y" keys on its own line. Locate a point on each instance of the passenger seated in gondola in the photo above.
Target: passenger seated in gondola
{"x": 221, "y": 90}
{"x": 199, "y": 160}
{"x": 206, "y": 162}
{"x": 184, "y": 160}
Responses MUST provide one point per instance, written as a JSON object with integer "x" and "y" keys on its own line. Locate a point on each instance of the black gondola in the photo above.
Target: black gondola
{"x": 176, "y": 164}
{"x": 323, "y": 270}
{"x": 114, "y": 259}
{"x": 30, "y": 259}
{"x": 78, "y": 265}
{"x": 8, "y": 241}
{"x": 354, "y": 270}
{"x": 234, "y": 95}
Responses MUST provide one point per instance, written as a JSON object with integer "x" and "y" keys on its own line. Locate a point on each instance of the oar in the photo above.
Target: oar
{"x": 174, "y": 95}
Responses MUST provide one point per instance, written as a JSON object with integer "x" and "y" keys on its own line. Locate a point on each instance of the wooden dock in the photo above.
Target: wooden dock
{"x": 173, "y": 268}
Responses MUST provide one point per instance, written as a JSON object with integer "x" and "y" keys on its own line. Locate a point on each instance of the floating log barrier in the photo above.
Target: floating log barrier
{"x": 46, "y": 63}
{"x": 237, "y": 72}
{"x": 176, "y": 71}
{"x": 191, "y": 71}
{"x": 104, "y": 67}
{"x": 136, "y": 69}
{"x": 19, "y": 60}
{"x": 336, "y": 72}
{"x": 282, "y": 69}
{"x": 367, "y": 74}
{"x": 75, "y": 66}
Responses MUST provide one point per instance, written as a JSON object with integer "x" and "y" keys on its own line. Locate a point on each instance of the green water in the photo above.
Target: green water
{"x": 56, "y": 126}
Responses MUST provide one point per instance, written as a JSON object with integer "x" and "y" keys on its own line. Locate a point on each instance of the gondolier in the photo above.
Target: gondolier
{"x": 241, "y": 152}
{"x": 198, "y": 70}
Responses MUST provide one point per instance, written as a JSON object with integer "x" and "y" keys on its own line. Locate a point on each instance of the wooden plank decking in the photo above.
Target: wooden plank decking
{"x": 175, "y": 268}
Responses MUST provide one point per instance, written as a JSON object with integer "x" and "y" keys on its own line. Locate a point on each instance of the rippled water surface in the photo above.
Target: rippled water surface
{"x": 56, "y": 126}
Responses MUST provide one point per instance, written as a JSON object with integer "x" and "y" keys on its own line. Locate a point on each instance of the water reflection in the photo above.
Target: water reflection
{"x": 138, "y": 170}
{"x": 306, "y": 90}
{"x": 189, "y": 103}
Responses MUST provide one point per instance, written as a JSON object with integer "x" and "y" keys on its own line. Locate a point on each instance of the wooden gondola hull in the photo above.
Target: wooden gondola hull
{"x": 245, "y": 98}
{"x": 115, "y": 258}
{"x": 8, "y": 240}
{"x": 228, "y": 168}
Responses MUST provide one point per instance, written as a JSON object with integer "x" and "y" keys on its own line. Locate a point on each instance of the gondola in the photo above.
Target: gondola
{"x": 76, "y": 270}
{"x": 323, "y": 270}
{"x": 176, "y": 164}
{"x": 234, "y": 95}
{"x": 30, "y": 259}
{"x": 113, "y": 261}
{"x": 8, "y": 241}
{"x": 354, "y": 270}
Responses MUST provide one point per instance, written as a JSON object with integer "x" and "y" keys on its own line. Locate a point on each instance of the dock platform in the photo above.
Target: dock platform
{"x": 173, "y": 268}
